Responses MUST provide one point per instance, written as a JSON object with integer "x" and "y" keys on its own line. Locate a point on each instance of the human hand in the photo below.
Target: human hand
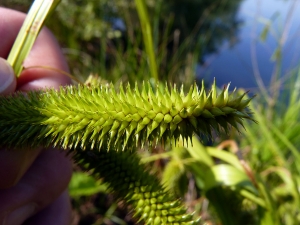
{"x": 33, "y": 182}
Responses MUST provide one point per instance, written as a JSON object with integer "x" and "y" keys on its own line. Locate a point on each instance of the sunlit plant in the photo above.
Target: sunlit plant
{"x": 104, "y": 125}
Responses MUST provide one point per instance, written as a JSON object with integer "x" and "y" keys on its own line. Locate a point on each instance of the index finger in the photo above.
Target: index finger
{"x": 45, "y": 52}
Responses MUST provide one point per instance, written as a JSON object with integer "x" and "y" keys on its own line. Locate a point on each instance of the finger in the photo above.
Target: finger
{"x": 45, "y": 180}
{"x": 58, "y": 213}
{"x": 10, "y": 24}
{"x": 13, "y": 163}
{"x": 7, "y": 78}
{"x": 45, "y": 52}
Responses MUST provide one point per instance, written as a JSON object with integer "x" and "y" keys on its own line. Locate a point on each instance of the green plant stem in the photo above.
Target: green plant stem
{"x": 147, "y": 36}
{"x": 38, "y": 13}
{"x": 155, "y": 157}
{"x": 252, "y": 197}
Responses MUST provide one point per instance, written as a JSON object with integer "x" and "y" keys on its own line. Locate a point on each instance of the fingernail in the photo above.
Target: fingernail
{"x": 18, "y": 216}
{"x": 7, "y": 78}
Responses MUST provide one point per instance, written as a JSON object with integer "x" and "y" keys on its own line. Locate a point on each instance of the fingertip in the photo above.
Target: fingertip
{"x": 14, "y": 163}
{"x": 8, "y": 80}
{"x": 59, "y": 212}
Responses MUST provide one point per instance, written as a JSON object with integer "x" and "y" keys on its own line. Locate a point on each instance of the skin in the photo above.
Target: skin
{"x": 33, "y": 183}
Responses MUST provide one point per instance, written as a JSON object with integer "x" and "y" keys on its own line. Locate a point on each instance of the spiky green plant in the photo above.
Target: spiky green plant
{"x": 130, "y": 181}
{"x": 90, "y": 116}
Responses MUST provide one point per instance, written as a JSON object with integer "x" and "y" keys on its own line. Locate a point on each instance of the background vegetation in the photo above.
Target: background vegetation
{"x": 247, "y": 178}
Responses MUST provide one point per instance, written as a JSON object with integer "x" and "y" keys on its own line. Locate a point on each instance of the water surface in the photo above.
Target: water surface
{"x": 250, "y": 55}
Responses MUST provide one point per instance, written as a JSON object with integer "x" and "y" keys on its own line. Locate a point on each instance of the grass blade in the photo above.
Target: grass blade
{"x": 30, "y": 29}
{"x": 147, "y": 35}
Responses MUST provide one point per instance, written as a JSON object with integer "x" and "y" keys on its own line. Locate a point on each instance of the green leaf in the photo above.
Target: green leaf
{"x": 174, "y": 177}
{"x": 265, "y": 32}
{"x": 277, "y": 54}
{"x": 199, "y": 152}
{"x": 227, "y": 175}
{"x": 225, "y": 156}
{"x": 82, "y": 184}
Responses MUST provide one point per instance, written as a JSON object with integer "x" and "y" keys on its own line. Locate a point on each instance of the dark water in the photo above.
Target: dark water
{"x": 238, "y": 63}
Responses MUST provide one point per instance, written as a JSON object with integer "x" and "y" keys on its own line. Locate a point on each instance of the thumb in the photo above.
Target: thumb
{"x": 8, "y": 80}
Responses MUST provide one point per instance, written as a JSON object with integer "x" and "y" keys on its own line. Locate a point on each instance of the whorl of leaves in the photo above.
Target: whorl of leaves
{"x": 91, "y": 116}
{"x": 131, "y": 182}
